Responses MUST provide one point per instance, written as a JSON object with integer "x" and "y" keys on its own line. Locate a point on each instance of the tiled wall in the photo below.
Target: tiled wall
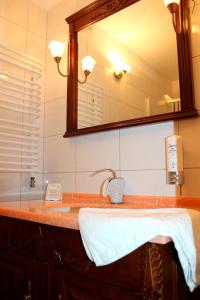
{"x": 23, "y": 28}
{"x": 135, "y": 153}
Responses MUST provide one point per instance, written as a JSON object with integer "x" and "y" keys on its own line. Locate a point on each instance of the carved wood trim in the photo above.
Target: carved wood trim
{"x": 108, "y": 8}
{"x": 156, "y": 269}
{"x": 142, "y": 272}
{"x": 151, "y": 273}
{"x": 97, "y": 11}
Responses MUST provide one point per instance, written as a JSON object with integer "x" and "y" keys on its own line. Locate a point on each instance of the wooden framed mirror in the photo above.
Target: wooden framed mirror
{"x": 159, "y": 86}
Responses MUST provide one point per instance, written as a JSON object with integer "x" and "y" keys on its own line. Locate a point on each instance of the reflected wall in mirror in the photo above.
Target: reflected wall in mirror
{"x": 157, "y": 83}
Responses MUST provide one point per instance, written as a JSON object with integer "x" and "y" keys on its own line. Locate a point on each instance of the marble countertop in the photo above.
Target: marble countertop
{"x": 48, "y": 212}
{"x": 41, "y": 211}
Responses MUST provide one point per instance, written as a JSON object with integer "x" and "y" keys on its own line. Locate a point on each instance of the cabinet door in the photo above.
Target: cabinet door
{"x": 12, "y": 282}
{"x": 22, "y": 280}
{"x": 71, "y": 286}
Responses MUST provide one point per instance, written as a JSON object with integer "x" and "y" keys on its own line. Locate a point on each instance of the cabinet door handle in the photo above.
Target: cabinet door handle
{"x": 40, "y": 231}
{"x": 28, "y": 296}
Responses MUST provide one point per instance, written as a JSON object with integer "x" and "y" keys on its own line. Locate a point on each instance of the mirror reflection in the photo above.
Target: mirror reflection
{"x": 136, "y": 71}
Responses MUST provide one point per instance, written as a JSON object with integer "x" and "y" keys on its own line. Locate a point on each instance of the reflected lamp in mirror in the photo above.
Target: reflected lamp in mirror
{"x": 121, "y": 71}
{"x": 57, "y": 51}
{"x": 174, "y": 7}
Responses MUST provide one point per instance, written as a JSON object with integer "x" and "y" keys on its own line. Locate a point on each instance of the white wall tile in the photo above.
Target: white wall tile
{"x": 57, "y": 15}
{"x": 191, "y": 3}
{"x": 36, "y": 47}
{"x": 191, "y": 183}
{"x": 190, "y": 132}
{"x": 55, "y": 117}
{"x": 147, "y": 182}
{"x": 9, "y": 186}
{"x": 83, "y": 3}
{"x": 196, "y": 70}
{"x": 37, "y": 19}
{"x": 96, "y": 151}
{"x": 56, "y": 85}
{"x": 195, "y": 36}
{"x": 12, "y": 35}
{"x": 143, "y": 147}
{"x": 59, "y": 154}
{"x": 14, "y": 11}
{"x": 67, "y": 180}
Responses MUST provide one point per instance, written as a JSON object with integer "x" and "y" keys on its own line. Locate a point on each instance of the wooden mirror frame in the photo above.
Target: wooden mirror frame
{"x": 97, "y": 11}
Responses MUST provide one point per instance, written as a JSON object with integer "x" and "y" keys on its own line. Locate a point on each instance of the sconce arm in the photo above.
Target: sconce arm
{"x": 174, "y": 9}
{"x": 176, "y": 21}
{"x": 119, "y": 75}
{"x": 86, "y": 73}
{"x": 57, "y": 60}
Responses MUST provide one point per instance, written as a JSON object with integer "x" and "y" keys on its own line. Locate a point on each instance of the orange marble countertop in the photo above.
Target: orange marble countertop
{"x": 45, "y": 212}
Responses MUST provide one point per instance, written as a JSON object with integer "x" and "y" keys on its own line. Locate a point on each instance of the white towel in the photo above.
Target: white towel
{"x": 109, "y": 234}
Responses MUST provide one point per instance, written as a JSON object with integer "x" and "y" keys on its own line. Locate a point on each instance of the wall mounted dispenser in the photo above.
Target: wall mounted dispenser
{"x": 174, "y": 159}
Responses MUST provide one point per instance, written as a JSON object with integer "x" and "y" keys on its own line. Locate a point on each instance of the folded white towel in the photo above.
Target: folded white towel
{"x": 109, "y": 234}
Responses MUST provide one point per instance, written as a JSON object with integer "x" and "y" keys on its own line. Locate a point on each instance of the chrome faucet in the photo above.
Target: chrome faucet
{"x": 112, "y": 186}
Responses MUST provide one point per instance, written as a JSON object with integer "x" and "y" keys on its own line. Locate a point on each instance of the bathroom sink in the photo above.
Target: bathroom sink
{"x": 63, "y": 209}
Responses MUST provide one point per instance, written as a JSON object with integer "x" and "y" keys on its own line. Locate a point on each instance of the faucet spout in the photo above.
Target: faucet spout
{"x": 112, "y": 186}
{"x": 114, "y": 175}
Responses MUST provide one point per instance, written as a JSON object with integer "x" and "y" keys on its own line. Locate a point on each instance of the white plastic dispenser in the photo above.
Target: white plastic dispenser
{"x": 112, "y": 186}
{"x": 174, "y": 159}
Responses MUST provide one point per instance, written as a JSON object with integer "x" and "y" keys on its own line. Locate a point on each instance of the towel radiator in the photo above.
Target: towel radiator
{"x": 20, "y": 111}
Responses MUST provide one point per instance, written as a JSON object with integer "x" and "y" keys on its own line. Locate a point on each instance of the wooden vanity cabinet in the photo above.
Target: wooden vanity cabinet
{"x": 43, "y": 262}
{"x": 71, "y": 286}
{"x": 20, "y": 279}
{"x": 21, "y": 272}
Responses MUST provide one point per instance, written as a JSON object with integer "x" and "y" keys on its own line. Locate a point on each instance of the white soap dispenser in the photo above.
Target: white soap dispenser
{"x": 112, "y": 186}
{"x": 174, "y": 159}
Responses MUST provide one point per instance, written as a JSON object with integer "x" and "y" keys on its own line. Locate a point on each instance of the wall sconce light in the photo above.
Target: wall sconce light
{"x": 57, "y": 51}
{"x": 121, "y": 71}
{"x": 175, "y": 9}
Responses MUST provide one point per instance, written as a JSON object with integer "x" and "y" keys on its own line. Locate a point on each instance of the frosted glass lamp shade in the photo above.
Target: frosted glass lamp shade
{"x": 126, "y": 68}
{"x": 88, "y": 63}
{"x": 167, "y": 2}
{"x": 57, "y": 48}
